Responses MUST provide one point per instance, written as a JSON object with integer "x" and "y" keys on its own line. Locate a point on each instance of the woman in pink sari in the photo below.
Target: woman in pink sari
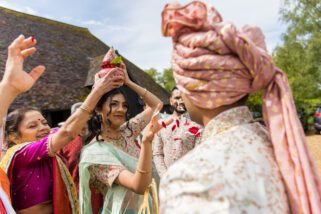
{"x": 14, "y": 82}
{"x": 40, "y": 182}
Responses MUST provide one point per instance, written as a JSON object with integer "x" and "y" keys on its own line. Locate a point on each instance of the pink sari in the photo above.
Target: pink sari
{"x": 64, "y": 195}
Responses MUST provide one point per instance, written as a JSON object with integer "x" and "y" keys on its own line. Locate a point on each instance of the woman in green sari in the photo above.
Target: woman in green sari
{"x": 113, "y": 164}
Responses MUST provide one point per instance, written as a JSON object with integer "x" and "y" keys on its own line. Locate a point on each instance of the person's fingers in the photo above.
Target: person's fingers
{"x": 118, "y": 79}
{"x": 102, "y": 73}
{"x": 37, "y": 72}
{"x": 117, "y": 82}
{"x": 27, "y": 43}
{"x": 96, "y": 78}
{"x": 164, "y": 124}
{"x": 156, "y": 113}
{"x": 117, "y": 76}
{"x": 117, "y": 85}
{"x": 158, "y": 108}
{"x": 122, "y": 65}
{"x": 113, "y": 79}
{"x": 168, "y": 121}
{"x": 27, "y": 52}
{"x": 14, "y": 47}
{"x": 112, "y": 72}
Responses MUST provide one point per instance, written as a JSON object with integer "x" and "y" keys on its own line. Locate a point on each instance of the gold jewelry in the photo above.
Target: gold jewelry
{"x": 50, "y": 150}
{"x": 144, "y": 94}
{"x": 106, "y": 134}
{"x": 143, "y": 171}
{"x": 112, "y": 138}
{"x": 85, "y": 109}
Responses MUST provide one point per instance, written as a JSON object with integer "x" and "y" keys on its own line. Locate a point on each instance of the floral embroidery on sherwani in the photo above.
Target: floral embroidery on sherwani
{"x": 170, "y": 145}
{"x": 233, "y": 170}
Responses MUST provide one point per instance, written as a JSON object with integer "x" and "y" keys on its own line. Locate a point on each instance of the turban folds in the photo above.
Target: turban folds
{"x": 216, "y": 64}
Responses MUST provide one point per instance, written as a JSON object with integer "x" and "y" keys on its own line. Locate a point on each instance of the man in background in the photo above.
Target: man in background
{"x": 175, "y": 140}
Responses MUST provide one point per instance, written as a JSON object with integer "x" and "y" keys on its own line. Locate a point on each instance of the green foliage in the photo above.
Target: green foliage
{"x": 255, "y": 102}
{"x": 164, "y": 79}
{"x": 154, "y": 74}
{"x": 117, "y": 60}
{"x": 167, "y": 79}
{"x": 299, "y": 55}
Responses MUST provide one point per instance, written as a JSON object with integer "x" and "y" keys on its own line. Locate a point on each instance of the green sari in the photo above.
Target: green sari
{"x": 115, "y": 199}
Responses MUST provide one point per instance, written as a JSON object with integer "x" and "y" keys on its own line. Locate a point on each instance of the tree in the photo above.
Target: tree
{"x": 300, "y": 54}
{"x": 154, "y": 74}
{"x": 167, "y": 79}
{"x": 164, "y": 79}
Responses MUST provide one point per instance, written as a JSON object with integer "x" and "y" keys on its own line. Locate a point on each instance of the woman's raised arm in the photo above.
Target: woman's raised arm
{"x": 149, "y": 98}
{"x": 15, "y": 80}
{"x": 74, "y": 124}
{"x": 139, "y": 181}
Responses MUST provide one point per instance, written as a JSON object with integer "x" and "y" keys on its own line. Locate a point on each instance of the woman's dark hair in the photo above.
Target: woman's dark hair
{"x": 94, "y": 123}
{"x": 13, "y": 122}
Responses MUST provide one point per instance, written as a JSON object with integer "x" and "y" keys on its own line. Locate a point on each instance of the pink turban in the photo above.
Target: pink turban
{"x": 216, "y": 64}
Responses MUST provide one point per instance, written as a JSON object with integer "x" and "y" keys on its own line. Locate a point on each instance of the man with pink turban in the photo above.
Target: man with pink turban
{"x": 240, "y": 166}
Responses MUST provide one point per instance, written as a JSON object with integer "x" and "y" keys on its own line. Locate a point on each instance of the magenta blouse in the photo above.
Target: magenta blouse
{"x": 32, "y": 180}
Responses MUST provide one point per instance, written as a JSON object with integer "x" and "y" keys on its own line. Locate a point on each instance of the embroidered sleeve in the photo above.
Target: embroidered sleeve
{"x": 105, "y": 174}
{"x": 158, "y": 155}
{"x": 137, "y": 124}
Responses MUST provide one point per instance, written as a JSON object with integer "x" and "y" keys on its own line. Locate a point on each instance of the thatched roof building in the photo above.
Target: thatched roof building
{"x": 71, "y": 55}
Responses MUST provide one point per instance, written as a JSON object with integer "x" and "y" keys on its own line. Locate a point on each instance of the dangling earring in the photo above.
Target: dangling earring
{"x": 100, "y": 118}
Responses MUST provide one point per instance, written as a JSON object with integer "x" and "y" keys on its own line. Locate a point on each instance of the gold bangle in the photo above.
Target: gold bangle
{"x": 142, "y": 171}
{"x": 143, "y": 96}
{"x": 50, "y": 150}
{"x": 85, "y": 109}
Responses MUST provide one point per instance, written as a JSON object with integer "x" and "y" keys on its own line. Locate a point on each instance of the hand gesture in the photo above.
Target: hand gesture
{"x": 127, "y": 79}
{"x": 15, "y": 79}
{"x": 154, "y": 125}
{"x": 112, "y": 79}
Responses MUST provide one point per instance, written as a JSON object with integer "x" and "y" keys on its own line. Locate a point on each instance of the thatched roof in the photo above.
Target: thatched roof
{"x": 64, "y": 49}
{"x": 135, "y": 74}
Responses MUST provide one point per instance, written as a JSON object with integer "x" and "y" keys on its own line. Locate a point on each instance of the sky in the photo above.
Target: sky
{"x": 133, "y": 27}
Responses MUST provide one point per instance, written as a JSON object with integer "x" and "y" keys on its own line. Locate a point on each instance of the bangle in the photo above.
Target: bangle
{"x": 50, "y": 150}
{"x": 143, "y": 171}
{"x": 85, "y": 109}
{"x": 143, "y": 96}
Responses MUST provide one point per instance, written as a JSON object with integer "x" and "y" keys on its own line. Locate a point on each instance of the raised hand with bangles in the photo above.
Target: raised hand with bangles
{"x": 35, "y": 145}
{"x": 113, "y": 163}
{"x": 14, "y": 82}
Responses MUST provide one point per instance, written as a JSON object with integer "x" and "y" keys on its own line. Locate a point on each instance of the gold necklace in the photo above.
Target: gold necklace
{"x": 104, "y": 135}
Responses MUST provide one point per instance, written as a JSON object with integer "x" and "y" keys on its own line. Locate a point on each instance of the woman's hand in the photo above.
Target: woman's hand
{"x": 15, "y": 79}
{"x": 127, "y": 79}
{"x": 154, "y": 125}
{"x": 112, "y": 79}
